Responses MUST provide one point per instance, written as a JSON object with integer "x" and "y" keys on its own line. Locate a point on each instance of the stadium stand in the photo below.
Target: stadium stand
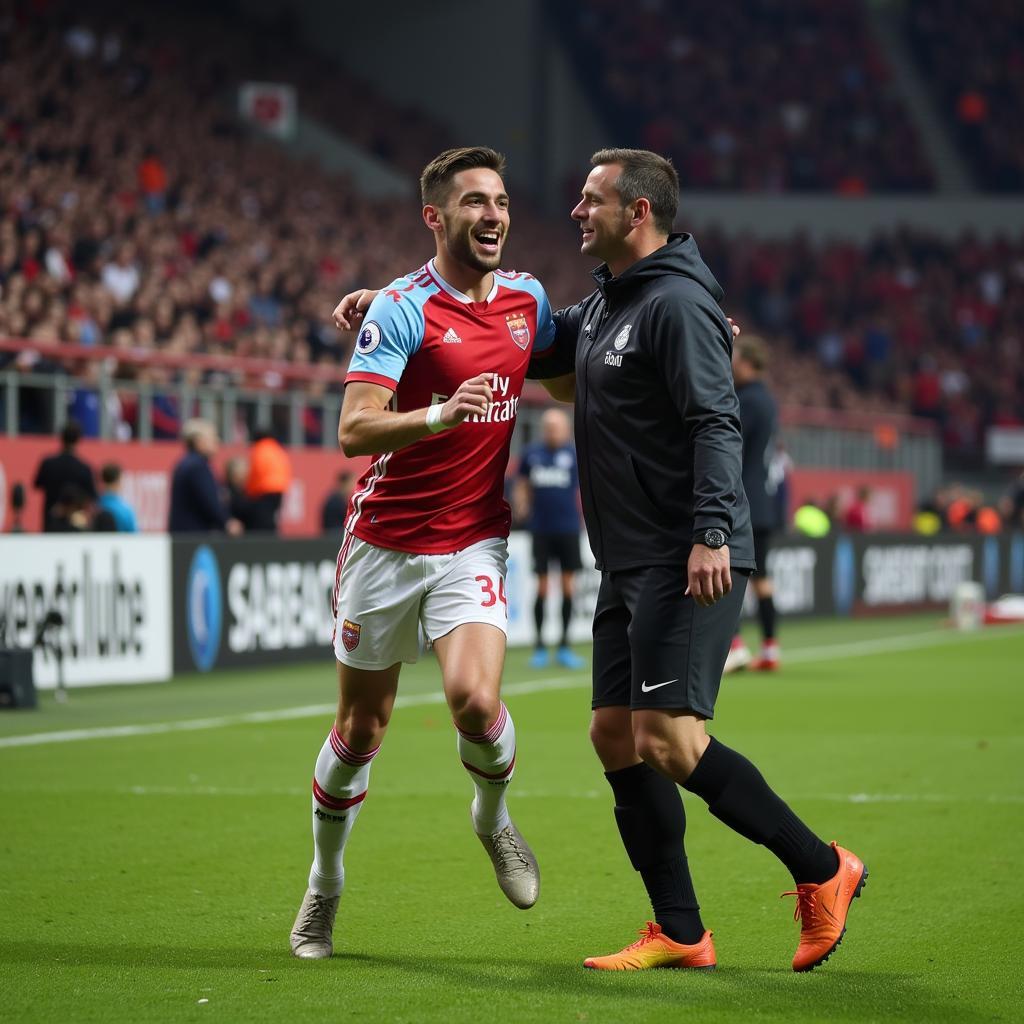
{"x": 185, "y": 240}
{"x": 973, "y": 56}
{"x": 765, "y": 96}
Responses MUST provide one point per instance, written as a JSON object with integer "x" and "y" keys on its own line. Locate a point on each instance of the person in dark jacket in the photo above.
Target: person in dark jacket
{"x": 759, "y": 417}
{"x": 335, "y": 506}
{"x": 56, "y": 472}
{"x": 196, "y": 505}
{"x": 647, "y": 358}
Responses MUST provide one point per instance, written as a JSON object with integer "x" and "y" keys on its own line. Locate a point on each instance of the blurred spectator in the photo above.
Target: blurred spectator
{"x": 270, "y": 474}
{"x": 335, "y": 506}
{"x": 70, "y": 512}
{"x": 57, "y": 472}
{"x": 122, "y": 515}
{"x": 17, "y": 508}
{"x": 857, "y": 516}
{"x": 196, "y": 506}
{"x": 240, "y": 505}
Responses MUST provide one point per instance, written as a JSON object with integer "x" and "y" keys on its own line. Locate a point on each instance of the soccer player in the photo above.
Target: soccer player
{"x": 759, "y": 418}
{"x": 432, "y": 393}
{"x": 660, "y": 450}
{"x": 546, "y": 493}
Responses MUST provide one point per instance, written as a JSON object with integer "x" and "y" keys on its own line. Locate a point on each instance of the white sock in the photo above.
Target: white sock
{"x": 340, "y": 782}
{"x": 490, "y": 759}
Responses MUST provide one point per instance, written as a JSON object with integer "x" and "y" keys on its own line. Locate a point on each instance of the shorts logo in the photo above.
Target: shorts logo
{"x": 622, "y": 338}
{"x": 519, "y": 328}
{"x": 350, "y": 635}
{"x": 369, "y": 338}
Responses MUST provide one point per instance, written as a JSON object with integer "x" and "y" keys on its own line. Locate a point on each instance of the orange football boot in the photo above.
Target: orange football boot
{"x": 655, "y": 949}
{"x": 822, "y": 909}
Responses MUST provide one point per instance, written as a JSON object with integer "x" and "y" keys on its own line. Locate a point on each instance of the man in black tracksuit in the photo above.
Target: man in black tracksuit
{"x": 647, "y": 360}
{"x": 759, "y": 417}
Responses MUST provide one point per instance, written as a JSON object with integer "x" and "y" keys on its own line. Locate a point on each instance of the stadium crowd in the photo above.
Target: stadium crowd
{"x": 766, "y": 95}
{"x": 185, "y": 235}
{"x": 973, "y": 55}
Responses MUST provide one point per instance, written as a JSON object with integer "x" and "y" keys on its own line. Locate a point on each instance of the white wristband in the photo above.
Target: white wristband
{"x": 434, "y": 424}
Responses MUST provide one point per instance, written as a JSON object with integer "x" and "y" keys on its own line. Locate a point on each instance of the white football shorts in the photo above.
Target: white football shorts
{"x": 382, "y": 597}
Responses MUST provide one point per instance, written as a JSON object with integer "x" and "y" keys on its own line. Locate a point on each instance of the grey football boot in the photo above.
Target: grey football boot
{"x": 312, "y": 935}
{"x": 515, "y": 866}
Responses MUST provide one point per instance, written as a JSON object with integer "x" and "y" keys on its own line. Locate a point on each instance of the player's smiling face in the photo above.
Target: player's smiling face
{"x": 602, "y": 218}
{"x": 475, "y": 219}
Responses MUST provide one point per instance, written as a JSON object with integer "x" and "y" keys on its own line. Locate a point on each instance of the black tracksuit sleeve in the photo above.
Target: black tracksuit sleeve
{"x": 693, "y": 346}
{"x": 206, "y": 498}
{"x": 559, "y": 358}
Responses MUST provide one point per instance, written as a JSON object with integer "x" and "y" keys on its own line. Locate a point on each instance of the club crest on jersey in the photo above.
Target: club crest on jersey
{"x": 350, "y": 634}
{"x": 369, "y": 338}
{"x": 622, "y": 338}
{"x": 519, "y": 327}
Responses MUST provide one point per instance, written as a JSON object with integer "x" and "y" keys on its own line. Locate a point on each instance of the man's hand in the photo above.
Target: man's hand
{"x": 472, "y": 397}
{"x": 234, "y": 527}
{"x": 707, "y": 574}
{"x": 732, "y": 323}
{"x": 348, "y": 314}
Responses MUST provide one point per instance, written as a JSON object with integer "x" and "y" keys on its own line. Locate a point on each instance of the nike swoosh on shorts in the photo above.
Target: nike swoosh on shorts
{"x": 656, "y": 686}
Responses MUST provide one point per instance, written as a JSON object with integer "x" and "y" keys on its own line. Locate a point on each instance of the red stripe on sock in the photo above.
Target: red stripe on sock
{"x": 497, "y": 775}
{"x": 345, "y": 753}
{"x": 492, "y": 734}
{"x": 335, "y": 803}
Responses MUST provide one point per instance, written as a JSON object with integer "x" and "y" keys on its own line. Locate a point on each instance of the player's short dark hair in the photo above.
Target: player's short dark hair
{"x": 437, "y": 176}
{"x": 753, "y": 350}
{"x": 71, "y": 434}
{"x": 110, "y": 473}
{"x": 648, "y": 176}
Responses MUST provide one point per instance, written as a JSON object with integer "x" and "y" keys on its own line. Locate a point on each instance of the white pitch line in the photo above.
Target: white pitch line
{"x": 277, "y": 715}
{"x": 902, "y": 642}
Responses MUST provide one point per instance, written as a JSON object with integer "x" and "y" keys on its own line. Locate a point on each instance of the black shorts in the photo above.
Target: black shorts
{"x": 655, "y": 648}
{"x": 762, "y": 545}
{"x": 563, "y": 548}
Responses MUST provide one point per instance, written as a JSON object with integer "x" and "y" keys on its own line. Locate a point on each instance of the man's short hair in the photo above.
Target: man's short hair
{"x": 438, "y": 175}
{"x": 648, "y": 176}
{"x": 71, "y": 434}
{"x": 110, "y": 473}
{"x": 194, "y": 429}
{"x": 753, "y": 350}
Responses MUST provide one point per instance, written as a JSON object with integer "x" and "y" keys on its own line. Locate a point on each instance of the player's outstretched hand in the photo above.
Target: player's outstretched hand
{"x": 732, "y": 323}
{"x": 348, "y": 314}
{"x": 471, "y": 397}
{"x": 707, "y": 574}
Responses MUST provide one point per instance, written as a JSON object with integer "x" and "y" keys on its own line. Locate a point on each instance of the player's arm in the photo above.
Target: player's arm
{"x": 368, "y": 426}
{"x": 693, "y": 346}
{"x": 553, "y": 359}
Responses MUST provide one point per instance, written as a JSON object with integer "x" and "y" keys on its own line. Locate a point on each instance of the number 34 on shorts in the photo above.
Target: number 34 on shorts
{"x": 383, "y": 597}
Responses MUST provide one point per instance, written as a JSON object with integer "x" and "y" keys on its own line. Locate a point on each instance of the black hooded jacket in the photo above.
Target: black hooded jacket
{"x": 657, "y": 420}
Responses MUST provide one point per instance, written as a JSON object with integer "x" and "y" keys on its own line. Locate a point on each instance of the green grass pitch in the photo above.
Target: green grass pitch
{"x": 153, "y": 874}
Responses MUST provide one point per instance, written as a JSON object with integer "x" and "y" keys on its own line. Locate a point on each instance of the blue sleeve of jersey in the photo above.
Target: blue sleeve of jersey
{"x": 545, "y": 323}
{"x": 391, "y": 334}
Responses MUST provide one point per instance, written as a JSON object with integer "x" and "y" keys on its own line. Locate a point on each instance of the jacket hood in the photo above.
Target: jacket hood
{"x": 679, "y": 255}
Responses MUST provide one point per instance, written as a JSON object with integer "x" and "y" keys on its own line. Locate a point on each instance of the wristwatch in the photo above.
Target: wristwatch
{"x": 714, "y": 538}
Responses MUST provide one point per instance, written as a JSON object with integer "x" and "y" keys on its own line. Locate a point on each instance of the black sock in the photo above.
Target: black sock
{"x": 566, "y": 618}
{"x": 737, "y": 794}
{"x": 766, "y": 613}
{"x": 651, "y": 821}
{"x": 538, "y": 619}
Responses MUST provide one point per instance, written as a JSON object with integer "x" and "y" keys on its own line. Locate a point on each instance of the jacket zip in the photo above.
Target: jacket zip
{"x": 594, "y": 335}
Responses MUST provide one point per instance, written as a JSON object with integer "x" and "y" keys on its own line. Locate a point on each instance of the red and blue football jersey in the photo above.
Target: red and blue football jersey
{"x": 422, "y": 338}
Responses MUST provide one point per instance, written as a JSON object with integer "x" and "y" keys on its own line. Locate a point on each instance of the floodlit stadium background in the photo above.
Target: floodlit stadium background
{"x": 186, "y": 190}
